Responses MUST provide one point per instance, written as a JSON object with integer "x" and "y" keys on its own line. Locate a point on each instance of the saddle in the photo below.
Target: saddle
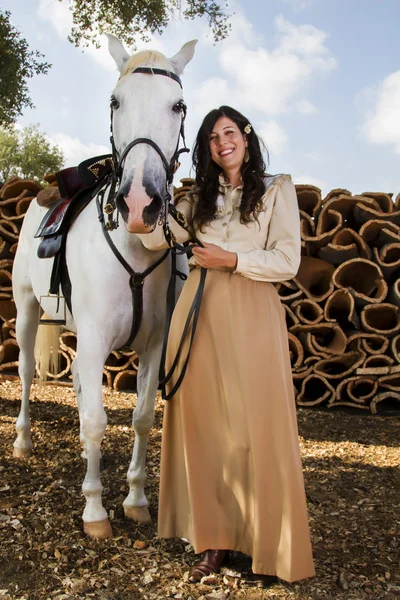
{"x": 78, "y": 186}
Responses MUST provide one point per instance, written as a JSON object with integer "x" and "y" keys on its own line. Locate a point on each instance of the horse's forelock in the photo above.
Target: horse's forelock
{"x": 146, "y": 57}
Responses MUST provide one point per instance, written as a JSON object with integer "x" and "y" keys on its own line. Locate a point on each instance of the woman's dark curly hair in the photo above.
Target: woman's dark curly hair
{"x": 207, "y": 171}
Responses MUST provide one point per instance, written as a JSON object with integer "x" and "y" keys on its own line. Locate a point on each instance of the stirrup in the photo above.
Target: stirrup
{"x": 61, "y": 309}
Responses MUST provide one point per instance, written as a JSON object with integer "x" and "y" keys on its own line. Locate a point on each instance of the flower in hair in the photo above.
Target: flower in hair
{"x": 247, "y": 129}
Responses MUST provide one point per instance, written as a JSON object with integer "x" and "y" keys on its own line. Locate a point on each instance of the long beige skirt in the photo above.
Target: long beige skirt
{"x": 231, "y": 474}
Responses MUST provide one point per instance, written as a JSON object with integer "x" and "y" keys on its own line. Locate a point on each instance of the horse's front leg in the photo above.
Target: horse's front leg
{"x": 78, "y": 393}
{"x": 90, "y": 357}
{"x": 136, "y": 504}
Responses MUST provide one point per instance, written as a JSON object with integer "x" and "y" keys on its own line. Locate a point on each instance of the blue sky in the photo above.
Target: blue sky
{"x": 319, "y": 79}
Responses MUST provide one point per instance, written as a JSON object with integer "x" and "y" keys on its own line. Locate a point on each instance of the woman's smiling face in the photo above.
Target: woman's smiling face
{"x": 227, "y": 145}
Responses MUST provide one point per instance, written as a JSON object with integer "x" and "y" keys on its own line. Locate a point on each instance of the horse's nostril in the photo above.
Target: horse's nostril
{"x": 122, "y": 206}
{"x": 151, "y": 212}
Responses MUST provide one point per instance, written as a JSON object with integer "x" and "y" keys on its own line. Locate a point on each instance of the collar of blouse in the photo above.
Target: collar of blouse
{"x": 225, "y": 186}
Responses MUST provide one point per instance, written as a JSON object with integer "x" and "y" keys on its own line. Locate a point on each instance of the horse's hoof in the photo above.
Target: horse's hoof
{"x": 98, "y": 530}
{"x": 140, "y": 514}
{"x": 21, "y": 452}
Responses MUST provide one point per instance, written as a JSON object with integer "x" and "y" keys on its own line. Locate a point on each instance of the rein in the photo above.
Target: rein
{"x": 193, "y": 315}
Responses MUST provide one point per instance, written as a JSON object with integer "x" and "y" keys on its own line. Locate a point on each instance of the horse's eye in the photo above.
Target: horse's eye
{"x": 179, "y": 106}
{"x": 114, "y": 102}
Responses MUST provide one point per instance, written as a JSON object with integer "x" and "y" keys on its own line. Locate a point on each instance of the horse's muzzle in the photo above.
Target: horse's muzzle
{"x": 139, "y": 217}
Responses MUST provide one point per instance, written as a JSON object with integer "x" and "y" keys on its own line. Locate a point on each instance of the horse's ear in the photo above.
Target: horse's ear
{"x": 117, "y": 51}
{"x": 181, "y": 59}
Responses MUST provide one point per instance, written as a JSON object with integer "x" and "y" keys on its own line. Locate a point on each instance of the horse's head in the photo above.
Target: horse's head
{"x": 147, "y": 114}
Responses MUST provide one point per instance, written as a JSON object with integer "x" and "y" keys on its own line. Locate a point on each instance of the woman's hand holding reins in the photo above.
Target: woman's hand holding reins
{"x": 214, "y": 257}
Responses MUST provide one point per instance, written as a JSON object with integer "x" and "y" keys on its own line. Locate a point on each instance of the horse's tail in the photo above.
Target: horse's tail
{"x": 46, "y": 351}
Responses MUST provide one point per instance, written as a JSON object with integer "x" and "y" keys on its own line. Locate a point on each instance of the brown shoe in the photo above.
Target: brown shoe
{"x": 210, "y": 563}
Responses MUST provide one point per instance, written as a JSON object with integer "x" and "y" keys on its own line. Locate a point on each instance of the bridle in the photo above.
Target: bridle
{"x": 136, "y": 280}
{"x": 119, "y": 159}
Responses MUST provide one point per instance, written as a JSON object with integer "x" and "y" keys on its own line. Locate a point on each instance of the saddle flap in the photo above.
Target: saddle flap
{"x": 53, "y": 219}
{"x": 49, "y": 246}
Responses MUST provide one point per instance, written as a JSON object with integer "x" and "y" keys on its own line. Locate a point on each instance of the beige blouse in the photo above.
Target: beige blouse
{"x": 267, "y": 251}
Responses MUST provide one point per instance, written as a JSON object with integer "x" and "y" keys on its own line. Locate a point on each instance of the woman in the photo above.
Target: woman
{"x": 231, "y": 475}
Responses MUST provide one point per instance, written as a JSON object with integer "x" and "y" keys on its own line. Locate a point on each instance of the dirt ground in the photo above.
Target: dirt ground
{"x": 351, "y": 469}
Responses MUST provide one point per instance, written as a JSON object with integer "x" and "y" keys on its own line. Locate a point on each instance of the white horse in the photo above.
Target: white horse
{"x": 147, "y": 106}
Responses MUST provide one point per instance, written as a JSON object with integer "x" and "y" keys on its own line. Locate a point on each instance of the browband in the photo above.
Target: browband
{"x": 154, "y": 71}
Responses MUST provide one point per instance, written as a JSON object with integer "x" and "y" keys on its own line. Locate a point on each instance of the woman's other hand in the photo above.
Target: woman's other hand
{"x": 214, "y": 257}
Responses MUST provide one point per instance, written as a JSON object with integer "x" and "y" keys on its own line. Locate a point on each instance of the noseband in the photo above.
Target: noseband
{"x": 119, "y": 160}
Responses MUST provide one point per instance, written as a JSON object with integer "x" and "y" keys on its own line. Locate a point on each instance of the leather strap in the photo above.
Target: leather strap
{"x": 154, "y": 71}
{"x": 193, "y": 315}
{"x": 136, "y": 280}
{"x": 191, "y": 322}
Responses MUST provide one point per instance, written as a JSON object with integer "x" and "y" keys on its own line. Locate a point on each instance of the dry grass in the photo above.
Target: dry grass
{"x": 351, "y": 468}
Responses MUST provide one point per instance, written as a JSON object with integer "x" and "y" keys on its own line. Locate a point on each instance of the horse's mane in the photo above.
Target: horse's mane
{"x": 145, "y": 57}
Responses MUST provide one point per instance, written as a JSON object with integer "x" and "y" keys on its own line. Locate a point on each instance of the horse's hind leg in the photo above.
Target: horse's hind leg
{"x": 136, "y": 504}
{"x": 78, "y": 392}
{"x": 26, "y": 328}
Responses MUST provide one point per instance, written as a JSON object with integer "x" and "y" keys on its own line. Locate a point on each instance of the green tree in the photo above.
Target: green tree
{"x": 27, "y": 153}
{"x": 132, "y": 20}
{"x": 17, "y": 65}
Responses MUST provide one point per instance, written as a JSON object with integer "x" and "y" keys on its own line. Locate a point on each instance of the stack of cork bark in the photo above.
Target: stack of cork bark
{"x": 342, "y": 308}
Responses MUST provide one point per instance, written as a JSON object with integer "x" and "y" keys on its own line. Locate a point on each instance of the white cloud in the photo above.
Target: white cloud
{"x": 382, "y": 122}
{"x": 298, "y": 5}
{"x": 305, "y": 40}
{"x": 74, "y": 150}
{"x": 269, "y": 80}
{"x": 274, "y": 137}
{"x": 58, "y": 14}
{"x": 101, "y": 56}
{"x": 60, "y": 17}
{"x": 212, "y": 93}
{"x": 306, "y": 107}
